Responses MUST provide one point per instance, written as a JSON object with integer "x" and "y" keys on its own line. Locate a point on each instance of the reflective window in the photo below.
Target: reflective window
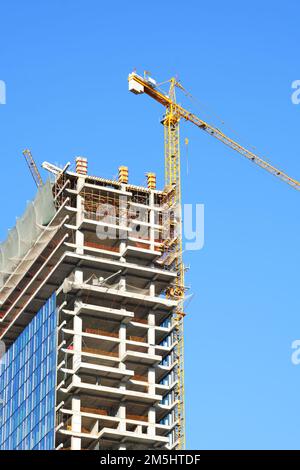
{"x": 27, "y": 385}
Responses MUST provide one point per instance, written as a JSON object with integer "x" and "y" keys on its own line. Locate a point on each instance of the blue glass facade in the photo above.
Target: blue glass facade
{"x": 27, "y": 385}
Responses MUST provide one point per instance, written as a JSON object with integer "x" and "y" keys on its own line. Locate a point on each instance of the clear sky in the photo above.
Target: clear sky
{"x": 65, "y": 66}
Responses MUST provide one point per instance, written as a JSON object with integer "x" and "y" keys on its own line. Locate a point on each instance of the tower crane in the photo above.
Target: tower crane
{"x": 33, "y": 167}
{"x": 173, "y": 113}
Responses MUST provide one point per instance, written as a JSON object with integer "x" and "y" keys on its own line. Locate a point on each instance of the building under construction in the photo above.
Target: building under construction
{"x": 87, "y": 316}
{"x": 92, "y": 303}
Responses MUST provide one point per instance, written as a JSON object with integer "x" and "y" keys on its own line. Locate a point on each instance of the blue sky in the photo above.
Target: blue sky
{"x": 65, "y": 65}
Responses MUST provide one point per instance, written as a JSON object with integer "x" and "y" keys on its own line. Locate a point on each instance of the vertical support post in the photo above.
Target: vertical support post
{"x": 77, "y": 344}
{"x": 151, "y": 332}
{"x": 76, "y": 423}
{"x": 152, "y": 221}
{"x": 79, "y": 235}
{"x": 152, "y": 421}
{"x": 152, "y": 289}
{"x": 122, "y": 344}
{"x": 122, "y": 416}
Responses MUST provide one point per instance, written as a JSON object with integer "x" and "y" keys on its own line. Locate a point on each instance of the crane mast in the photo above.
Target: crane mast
{"x": 173, "y": 181}
{"x": 171, "y": 122}
{"x": 175, "y": 112}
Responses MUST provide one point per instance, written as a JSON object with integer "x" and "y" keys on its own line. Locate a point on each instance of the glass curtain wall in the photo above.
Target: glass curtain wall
{"x": 27, "y": 385}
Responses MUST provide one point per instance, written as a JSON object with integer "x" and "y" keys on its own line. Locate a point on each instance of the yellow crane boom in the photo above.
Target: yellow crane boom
{"x": 175, "y": 112}
{"x": 138, "y": 84}
{"x": 33, "y": 167}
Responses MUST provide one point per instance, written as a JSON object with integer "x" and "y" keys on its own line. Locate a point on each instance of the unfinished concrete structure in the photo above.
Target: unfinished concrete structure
{"x": 102, "y": 257}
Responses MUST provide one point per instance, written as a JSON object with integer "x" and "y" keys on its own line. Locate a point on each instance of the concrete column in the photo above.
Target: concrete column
{"x": 95, "y": 428}
{"x": 77, "y": 344}
{"x": 76, "y": 423}
{"x": 79, "y": 216}
{"x": 151, "y": 341}
{"x": 122, "y": 416}
{"x": 139, "y": 429}
{"x": 151, "y": 380}
{"x": 151, "y": 332}
{"x": 123, "y": 220}
{"x": 79, "y": 241}
{"x": 122, "y": 283}
{"x": 122, "y": 344}
{"x": 122, "y": 350}
{"x": 122, "y": 249}
{"x": 152, "y": 221}
{"x": 152, "y": 421}
{"x": 152, "y": 289}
